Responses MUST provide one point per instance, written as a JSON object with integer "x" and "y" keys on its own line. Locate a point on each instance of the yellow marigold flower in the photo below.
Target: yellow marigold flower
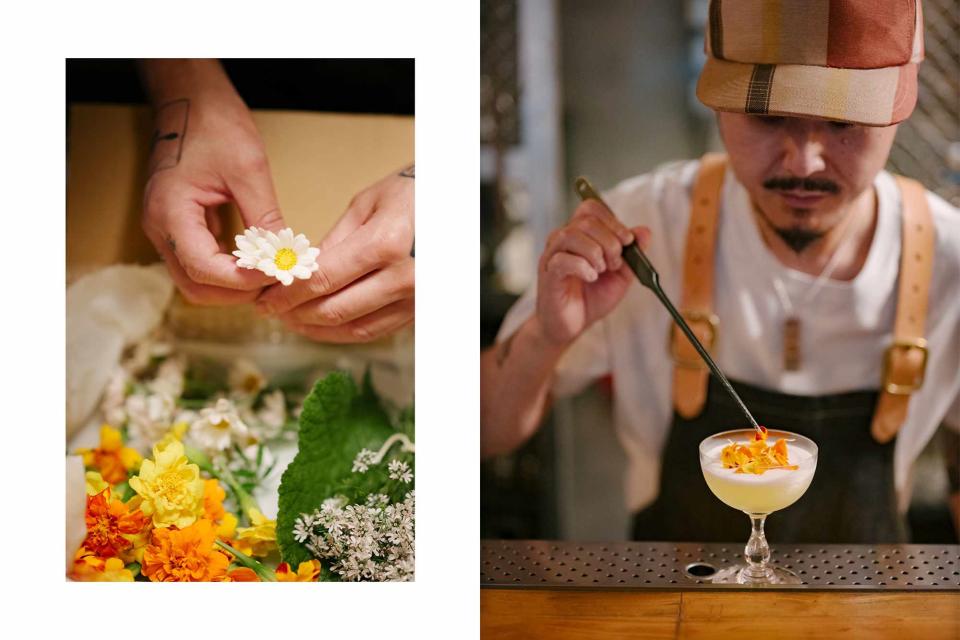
{"x": 171, "y": 487}
{"x": 95, "y": 483}
{"x": 260, "y": 539}
{"x": 111, "y": 458}
{"x": 89, "y": 568}
{"x": 185, "y": 555}
{"x": 307, "y": 572}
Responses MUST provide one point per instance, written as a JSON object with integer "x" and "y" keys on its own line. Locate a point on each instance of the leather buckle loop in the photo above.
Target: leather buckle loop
{"x": 695, "y": 319}
{"x": 903, "y": 346}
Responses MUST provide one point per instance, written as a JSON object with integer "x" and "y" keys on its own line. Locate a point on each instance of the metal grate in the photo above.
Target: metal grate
{"x": 661, "y": 565}
{"x": 928, "y": 142}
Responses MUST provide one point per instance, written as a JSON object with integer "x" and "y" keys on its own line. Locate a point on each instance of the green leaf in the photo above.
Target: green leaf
{"x": 338, "y": 420}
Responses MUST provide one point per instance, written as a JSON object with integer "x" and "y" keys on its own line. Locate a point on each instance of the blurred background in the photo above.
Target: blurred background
{"x": 606, "y": 90}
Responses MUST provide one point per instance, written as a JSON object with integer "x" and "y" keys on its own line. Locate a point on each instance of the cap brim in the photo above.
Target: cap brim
{"x": 874, "y": 97}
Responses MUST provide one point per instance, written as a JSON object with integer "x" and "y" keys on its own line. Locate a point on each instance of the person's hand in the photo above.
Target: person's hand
{"x": 364, "y": 288}
{"x": 206, "y": 152}
{"x": 581, "y": 275}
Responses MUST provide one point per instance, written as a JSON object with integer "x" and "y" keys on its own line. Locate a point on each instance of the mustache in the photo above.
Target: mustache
{"x": 790, "y": 183}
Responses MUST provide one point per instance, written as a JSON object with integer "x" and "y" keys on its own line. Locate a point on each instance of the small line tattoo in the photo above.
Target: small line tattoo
{"x": 172, "y": 244}
{"x": 503, "y": 352}
{"x": 166, "y": 145}
{"x": 407, "y": 172}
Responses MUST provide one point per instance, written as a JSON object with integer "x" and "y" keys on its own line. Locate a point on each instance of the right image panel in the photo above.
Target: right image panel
{"x": 720, "y": 318}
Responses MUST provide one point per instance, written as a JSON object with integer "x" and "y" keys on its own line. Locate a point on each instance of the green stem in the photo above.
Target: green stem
{"x": 264, "y": 573}
{"x": 244, "y": 499}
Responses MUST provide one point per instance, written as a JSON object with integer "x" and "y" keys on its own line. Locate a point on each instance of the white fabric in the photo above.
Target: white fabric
{"x": 846, "y": 327}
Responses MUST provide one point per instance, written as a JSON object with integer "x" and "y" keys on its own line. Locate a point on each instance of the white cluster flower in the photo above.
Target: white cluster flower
{"x": 364, "y": 460}
{"x": 219, "y": 427}
{"x": 170, "y": 377}
{"x": 282, "y": 255}
{"x": 114, "y": 400}
{"x": 400, "y": 471}
{"x": 370, "y": 542}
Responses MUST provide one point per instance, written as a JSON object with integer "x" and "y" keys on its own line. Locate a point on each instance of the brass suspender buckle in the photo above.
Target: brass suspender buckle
{"x": 902, "y": 346}
{"x": 696, "y": 319}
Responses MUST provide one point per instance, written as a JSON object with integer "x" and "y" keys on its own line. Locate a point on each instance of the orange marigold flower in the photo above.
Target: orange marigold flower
{"x": 213, "y": 496}
{"x": 242, "y": 574}
{"x": 111, "y": 458}
{"x": 306, "y": 572}
{"x": 185, "y": 555}
{"x": 110, "y": 525}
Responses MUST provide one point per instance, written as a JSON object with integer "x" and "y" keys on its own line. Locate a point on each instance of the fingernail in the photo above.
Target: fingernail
{"x": 626, "y": 237}
{"x": 593, "y": 276}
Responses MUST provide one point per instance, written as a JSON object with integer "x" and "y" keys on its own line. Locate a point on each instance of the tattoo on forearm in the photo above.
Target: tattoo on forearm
{"x": 407, "y": 173}
{"x": 503, "y": 351}
{"x": 166, "y": 145}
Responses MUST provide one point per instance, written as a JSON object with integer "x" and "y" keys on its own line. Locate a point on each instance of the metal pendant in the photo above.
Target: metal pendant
{"x": 791, "y": 344}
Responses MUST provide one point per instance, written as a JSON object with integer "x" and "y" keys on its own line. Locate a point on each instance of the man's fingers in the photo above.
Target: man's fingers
{"x": 601, "y": 234}
{"x": 378, "y": 324}
{"x": 575, "y": 241}
{"x": 256, "y": 199}
{"x": 595, "y": 208}
{"x": 565, "y": 265}
{"x": 360, "y": 253}
{"x": 356, "y": 214}
{"x": 198, "y": 293}
{"x": 199, "y": 254}
{"x": 372, "y": 292}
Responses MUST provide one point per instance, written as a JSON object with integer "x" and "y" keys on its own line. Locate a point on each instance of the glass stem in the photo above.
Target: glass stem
{"x": 757, "y": 553}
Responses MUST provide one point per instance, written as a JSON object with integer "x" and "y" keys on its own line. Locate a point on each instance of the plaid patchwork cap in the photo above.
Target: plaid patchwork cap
{"x": 844, "y": 60}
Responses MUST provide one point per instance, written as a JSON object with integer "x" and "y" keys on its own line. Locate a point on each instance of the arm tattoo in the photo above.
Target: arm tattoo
{"x": 407, "y": 173}
{"x": 503, "y": 351}
{"x": 166, "y": 145}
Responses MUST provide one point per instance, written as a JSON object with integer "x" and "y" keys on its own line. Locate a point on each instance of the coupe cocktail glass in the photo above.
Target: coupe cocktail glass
{"x": 758, "y": 495}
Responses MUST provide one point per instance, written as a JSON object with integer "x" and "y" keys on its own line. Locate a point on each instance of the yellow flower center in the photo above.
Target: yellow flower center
{"x": 285, "y": 259}
{"x": 223, "y": 425}
{"x": 170, "y": 485}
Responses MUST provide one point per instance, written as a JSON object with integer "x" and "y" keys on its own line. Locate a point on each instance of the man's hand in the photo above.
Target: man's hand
{"x": 364, "y": 288}
{"x": 581, "y": 275}
{"x": 205, "y": 152}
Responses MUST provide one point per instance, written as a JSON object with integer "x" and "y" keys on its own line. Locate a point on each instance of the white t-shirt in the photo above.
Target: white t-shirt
{"x": 846, "y": 325}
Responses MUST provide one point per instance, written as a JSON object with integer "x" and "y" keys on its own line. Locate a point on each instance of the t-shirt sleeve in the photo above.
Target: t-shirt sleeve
{"x": 586, "y": 360}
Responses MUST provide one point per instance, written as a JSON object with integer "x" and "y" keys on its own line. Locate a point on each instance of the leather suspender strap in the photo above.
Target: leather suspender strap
{"x": 905, "y": 360}
{"x": 690, "y": 373}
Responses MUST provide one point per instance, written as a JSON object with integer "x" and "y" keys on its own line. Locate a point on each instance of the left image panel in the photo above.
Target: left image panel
{"x": 240, "y": 310}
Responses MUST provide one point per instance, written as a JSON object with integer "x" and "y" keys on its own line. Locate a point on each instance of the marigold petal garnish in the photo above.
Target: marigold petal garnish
{"x": 89, "y": 568}
{"x": 242, "y": 574}
{"x": 185, "y": 555}
{"x": 171, "y": 487}
{"x": 757, "y": 457}
{"x": 307, "y": 572}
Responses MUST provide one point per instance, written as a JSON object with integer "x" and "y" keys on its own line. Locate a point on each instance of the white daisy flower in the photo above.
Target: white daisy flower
{"x": 218, "y": 427}
{"x": 285, "y": 256}
{"x": 248, "y": 248}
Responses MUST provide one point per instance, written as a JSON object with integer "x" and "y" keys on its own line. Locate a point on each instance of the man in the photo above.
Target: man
{"x": 826, "y": 288}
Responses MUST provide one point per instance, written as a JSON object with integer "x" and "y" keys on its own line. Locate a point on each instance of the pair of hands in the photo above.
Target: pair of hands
{"x": 581, "y": 275}
{"x": 364, "y": 288}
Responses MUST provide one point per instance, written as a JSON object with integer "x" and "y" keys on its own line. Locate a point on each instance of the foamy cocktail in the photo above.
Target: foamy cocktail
{"x": 758, "y": 474}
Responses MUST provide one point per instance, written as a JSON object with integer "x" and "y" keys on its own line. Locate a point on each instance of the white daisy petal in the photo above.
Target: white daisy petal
{"x": 284, "y": 277}
{"x": 301, "y": 272}
{"x": 313, "y": 252}
{"x": 286, "y": 236}
{"x": 300, "y": 244}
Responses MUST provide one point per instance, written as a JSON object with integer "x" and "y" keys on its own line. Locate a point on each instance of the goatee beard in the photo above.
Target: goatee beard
{"x": 797, "y": 239}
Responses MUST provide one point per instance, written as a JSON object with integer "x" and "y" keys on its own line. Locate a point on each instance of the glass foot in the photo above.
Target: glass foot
{"x": 738, "y": 575}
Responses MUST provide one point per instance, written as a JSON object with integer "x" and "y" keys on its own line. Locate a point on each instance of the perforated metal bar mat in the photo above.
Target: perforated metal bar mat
{"x": 543, "y": 564}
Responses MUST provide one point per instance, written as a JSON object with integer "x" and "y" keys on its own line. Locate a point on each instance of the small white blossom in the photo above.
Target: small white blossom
{"x": 363, "y": 461}
{"x": 169, "y": 378}
{"x": 114, "y": 398}
{"x": 400, "y": 470}
{"x": 218, "y": 427}
{"x": 245, "y": 378}
{"x": 248, "y": 247}
{"x": 149, "y": 416}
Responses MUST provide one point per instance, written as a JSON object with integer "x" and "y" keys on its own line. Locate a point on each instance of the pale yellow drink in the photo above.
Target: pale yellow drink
{"x": 758, "y": 494}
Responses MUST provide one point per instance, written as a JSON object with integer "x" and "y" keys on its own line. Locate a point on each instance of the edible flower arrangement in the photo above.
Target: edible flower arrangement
{"x": 170, "y": 486}
{"x": 757, "y": 457}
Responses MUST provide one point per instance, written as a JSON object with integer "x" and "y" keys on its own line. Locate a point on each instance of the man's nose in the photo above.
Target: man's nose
{"x": 803, "y": 154}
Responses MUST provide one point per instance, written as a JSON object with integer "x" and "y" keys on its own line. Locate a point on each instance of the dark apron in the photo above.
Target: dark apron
{"x": 851, "y": 500}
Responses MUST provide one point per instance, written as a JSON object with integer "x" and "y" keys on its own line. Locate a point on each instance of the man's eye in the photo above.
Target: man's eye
{"x": 769, "y": 120}
{"x": 840, "y": 125}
